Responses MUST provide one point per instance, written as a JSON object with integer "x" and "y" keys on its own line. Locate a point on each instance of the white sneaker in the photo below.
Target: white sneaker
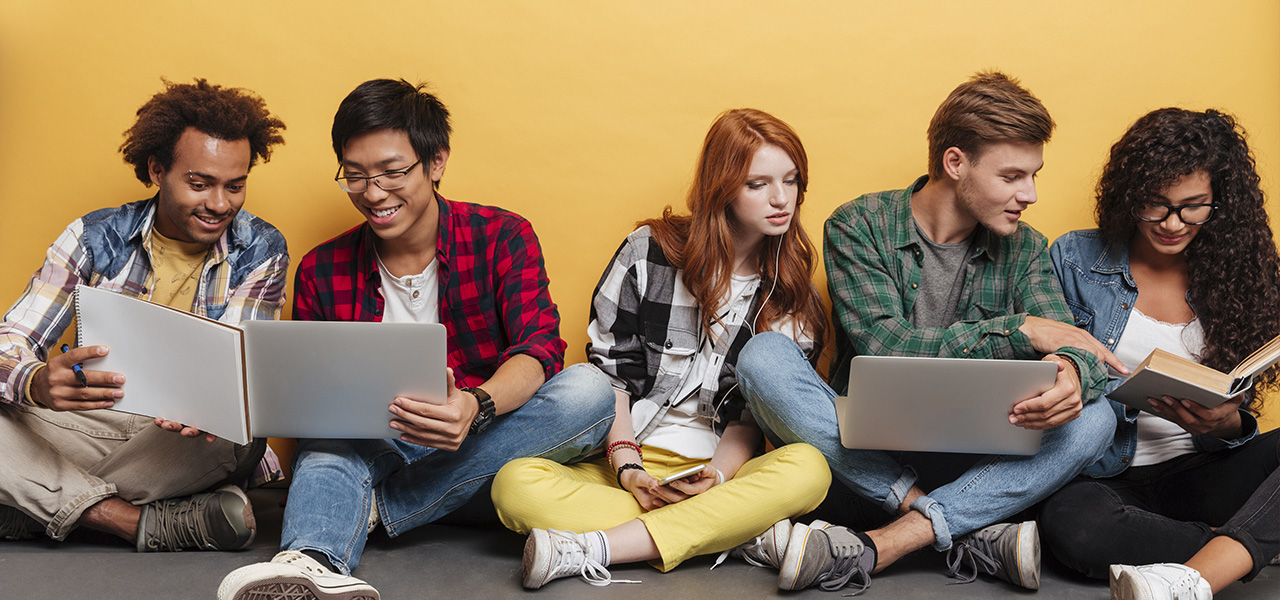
{"x": 552, "y": 554}
{"x": 374, "y": 517}
{"x": 1161, "y": 581}
{"x": 292, "y": 575}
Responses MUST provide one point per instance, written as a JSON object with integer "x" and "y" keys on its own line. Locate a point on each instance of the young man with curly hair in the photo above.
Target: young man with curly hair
{"x": 71, "y": 463}
{"x": 419, "y": 257}
{"x": 947, "y": 268}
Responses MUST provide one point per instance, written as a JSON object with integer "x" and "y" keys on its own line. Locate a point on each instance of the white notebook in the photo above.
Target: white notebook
{"x": 316, "y": 379}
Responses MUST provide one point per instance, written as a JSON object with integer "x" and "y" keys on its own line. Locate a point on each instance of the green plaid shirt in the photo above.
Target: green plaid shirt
{"x": 872, "y": 254}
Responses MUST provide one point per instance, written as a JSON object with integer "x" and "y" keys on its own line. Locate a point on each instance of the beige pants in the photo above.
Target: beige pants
{"x": 58, "y": 464}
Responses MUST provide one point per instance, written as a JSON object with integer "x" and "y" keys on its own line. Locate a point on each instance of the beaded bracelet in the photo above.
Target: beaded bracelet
{"x": 626, "y": 467}
{"x": 614, "y": 446}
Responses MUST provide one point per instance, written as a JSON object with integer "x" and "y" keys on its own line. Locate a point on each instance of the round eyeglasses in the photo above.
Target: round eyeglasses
{"x": 387, "y": 181}
{"x": 1191, "y": 214}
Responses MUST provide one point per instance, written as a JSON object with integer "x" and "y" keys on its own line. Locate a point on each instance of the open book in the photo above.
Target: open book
{"x": 1165, "y": 374}
{"x": 315, "y": 379}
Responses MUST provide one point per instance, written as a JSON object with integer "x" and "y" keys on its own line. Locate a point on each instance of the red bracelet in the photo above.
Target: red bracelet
{"x": 614, "y": 446}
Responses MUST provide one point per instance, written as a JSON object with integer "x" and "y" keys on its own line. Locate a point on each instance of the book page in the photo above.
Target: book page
{"x": 176, "y": 365}
{"x": 1260, "y": 360}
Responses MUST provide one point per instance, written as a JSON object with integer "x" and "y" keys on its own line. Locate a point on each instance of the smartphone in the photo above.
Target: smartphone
{"x": 682, "y": 474}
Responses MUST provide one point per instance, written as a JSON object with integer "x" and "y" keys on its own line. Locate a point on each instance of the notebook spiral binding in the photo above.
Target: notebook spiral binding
{"x": 75, "y": 301}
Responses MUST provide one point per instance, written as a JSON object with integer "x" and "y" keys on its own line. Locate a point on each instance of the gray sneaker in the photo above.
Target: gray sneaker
{"x": 766, "y": 549}
{"x": 16, "y": 525}
{"x": 1161, "y": 581}
{"x": 1010, "y": 551}
{"x": 831, "y": 557}
{"x": 292, "y": 575}
{"x": 217, "y": 520}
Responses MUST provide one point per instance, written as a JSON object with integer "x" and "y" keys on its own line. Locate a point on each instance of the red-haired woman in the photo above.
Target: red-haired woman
{"x": 681, "y": 297}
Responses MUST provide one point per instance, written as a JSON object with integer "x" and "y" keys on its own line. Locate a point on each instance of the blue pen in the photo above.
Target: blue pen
{"x": 79, "y": 371}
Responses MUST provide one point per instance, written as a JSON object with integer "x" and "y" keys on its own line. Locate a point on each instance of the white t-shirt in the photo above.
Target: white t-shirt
{"x": 412, "y": 298}
{"x": 681, "y": 430}
{"x": 1158, "y": 439}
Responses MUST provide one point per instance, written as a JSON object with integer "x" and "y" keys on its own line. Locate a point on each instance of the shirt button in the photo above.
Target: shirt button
{"x": 1124, "y": 306}
{"x": 415, "y": 293}
{"x": 1111, "y": 341}
{"x": 1006, "y": 332}
{"x": 1125, "y": 459}
{"x": 668, "y": 345}
{"x": 965, "y": 351}
{"x": 914, "y": 286}
{"x": 377, "y": 311}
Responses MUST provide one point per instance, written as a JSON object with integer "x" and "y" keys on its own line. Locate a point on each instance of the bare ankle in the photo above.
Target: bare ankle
{"x": 903, "y": 536}
{"x": 113, "y": 515}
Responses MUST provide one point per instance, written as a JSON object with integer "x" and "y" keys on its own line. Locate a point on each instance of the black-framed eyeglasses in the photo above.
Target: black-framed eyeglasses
{"x": 389, "y": 180}
{"x": 1191, "y": 214}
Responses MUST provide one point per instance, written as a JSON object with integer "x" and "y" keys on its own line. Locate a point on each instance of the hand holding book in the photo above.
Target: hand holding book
{"x": 58, "y": 386}
{"x": 1222, "y": 421}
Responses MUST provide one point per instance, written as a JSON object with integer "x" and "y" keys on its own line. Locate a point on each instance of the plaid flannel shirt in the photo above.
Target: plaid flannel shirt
{"x": 242, "y": 279}
{"x": 493, "y": 297}
{"x": 645, "y": 334}
{"x": 872, "y": 255}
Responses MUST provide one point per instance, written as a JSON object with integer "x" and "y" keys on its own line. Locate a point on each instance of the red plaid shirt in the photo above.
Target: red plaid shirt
{"x": 493, "y": 289}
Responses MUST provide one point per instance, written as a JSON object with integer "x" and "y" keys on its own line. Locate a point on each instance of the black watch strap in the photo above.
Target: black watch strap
{"x": 487, "y": 411}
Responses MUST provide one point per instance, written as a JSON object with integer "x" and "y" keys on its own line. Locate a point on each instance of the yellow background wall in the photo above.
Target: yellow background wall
{"x": 585, "y": 116}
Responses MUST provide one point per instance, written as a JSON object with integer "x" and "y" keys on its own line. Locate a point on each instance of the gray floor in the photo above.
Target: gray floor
{"x": 462, "y": 562}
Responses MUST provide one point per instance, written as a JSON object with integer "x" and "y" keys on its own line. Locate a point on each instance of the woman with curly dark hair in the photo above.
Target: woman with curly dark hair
{"x": 1183, "y": 260}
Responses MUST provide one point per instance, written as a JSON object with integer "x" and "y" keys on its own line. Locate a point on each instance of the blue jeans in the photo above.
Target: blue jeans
{"x": 334, "y": 480}
{"x": 794, "y": 404}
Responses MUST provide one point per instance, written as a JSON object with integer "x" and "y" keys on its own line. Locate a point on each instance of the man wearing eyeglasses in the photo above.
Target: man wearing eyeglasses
{"x": 419, "y": 257}
{"x": 69, "y": 463}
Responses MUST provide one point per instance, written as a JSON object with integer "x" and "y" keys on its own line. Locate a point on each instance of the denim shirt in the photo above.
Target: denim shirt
{"x": 1099, "y": 288}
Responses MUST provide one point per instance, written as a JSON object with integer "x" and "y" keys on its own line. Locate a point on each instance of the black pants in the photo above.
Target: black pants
{"x": 1167, "y": 512}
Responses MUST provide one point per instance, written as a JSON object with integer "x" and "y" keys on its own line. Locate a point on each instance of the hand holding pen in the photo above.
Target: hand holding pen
{"x": 77, "y": 369}
{"x": 64, "y": 385}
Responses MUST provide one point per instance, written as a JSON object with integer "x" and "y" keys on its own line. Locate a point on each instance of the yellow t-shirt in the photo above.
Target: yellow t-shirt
{"x": 175, "y": 270}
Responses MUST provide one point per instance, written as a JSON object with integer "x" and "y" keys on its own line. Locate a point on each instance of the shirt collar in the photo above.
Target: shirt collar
{"x": 367, "y": 255}
{"x": 986, "y": 244}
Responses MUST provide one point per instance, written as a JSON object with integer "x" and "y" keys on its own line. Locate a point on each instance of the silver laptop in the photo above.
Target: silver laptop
{"x": 326, "y": 379}
{"x": 940, "y": 404}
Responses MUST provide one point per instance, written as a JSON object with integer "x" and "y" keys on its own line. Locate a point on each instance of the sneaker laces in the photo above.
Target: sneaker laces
{"x": 571, "y": 558}
{"x": 977, "y": 552}
{"x": 302, "y": 561}
{"x": 1184, "y": 587}
{"x": 845, "y": 554}
{"x": 179, "y": 524}
{"x": 753, "y": 552}
{"x": 13, "y": 524}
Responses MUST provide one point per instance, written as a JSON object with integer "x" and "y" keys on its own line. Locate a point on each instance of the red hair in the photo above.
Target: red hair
{"x": 701, "y": 244}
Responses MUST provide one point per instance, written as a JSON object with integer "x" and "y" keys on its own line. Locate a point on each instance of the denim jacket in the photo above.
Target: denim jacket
{"x": 1100, "y": 290}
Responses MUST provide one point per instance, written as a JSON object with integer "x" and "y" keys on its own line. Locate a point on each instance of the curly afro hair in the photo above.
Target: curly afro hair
{"x": 1232, "y": 264}
{"x": 224, "y": 113}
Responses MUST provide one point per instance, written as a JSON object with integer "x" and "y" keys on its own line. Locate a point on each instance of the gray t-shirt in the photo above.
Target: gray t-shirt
{"x": 942, "y": 269}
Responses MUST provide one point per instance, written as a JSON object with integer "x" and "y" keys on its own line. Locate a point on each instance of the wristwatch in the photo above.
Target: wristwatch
{"x": 485, "y": 417}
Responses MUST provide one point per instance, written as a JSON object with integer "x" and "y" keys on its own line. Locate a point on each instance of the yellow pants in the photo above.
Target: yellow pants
{"x": 535, "y": 493}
